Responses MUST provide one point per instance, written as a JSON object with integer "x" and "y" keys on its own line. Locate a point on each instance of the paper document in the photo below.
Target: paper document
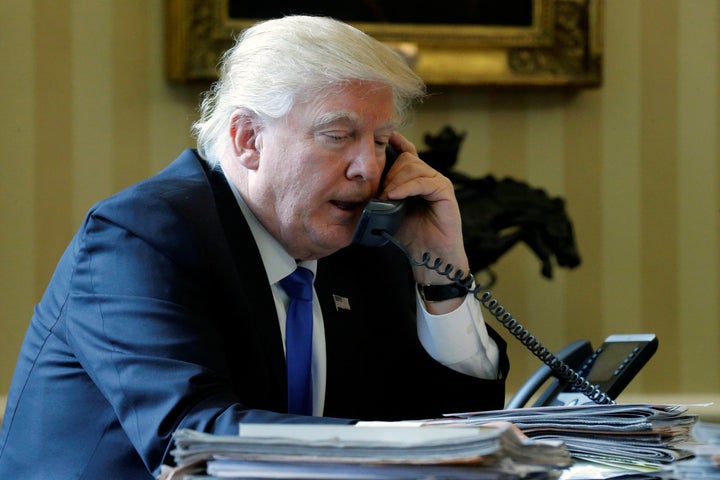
{"x": 346, "y": 451}
{"x": 638, "y": 436}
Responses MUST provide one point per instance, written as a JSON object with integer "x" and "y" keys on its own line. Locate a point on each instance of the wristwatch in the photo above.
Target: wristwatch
{"x": 438, "y": 293}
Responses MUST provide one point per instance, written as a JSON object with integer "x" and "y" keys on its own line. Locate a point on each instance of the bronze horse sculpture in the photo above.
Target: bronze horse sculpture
{"x": 499, "y": 214}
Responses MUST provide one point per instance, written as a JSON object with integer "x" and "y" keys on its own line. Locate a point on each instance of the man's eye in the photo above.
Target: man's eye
{"x": 336, "y": 136}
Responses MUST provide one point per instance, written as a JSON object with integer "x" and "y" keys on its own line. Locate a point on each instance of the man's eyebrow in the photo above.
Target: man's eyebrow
{"x": 329, "y": 118}
{"x": 349, "y": 118}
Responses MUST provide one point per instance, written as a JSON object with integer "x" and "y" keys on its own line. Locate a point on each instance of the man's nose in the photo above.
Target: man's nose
{"x": 367, "y": 163}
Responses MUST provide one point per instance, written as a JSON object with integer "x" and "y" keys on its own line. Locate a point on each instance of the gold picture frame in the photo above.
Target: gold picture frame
{"x": 561, "y": 47}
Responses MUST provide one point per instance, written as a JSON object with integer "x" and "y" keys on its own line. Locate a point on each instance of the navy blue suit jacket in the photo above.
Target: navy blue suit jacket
{"x": 159, "y": 316}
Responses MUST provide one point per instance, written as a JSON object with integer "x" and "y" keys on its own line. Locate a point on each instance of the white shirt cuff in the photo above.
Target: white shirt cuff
{"x": 459, "y": 339}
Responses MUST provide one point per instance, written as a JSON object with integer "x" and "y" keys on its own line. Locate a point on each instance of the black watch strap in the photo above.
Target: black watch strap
{"x": 438, "y": 293}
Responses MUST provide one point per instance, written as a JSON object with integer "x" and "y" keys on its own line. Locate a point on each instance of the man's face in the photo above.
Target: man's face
{"x": 319, "y": 166}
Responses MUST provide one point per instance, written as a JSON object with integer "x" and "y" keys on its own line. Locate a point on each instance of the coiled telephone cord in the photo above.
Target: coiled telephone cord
{"x": 561, "y": 370}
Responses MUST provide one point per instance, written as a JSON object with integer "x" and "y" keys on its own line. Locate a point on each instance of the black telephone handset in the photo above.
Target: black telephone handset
{"x": 380, "y": 215}
{"x": 601, "y": 374}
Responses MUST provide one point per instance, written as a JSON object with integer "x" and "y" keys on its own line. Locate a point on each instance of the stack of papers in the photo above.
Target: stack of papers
{"x": 631, "y": 436}
{"x": 389, "y": 451}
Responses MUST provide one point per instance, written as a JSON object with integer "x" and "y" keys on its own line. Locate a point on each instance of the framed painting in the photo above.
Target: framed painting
{"x": 465, "y": 43}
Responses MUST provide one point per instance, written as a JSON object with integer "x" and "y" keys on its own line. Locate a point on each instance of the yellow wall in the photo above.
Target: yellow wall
{"x": 85, "y": 111}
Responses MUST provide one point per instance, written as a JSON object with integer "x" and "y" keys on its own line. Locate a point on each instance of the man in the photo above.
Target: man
{"x": 168, "y": 310}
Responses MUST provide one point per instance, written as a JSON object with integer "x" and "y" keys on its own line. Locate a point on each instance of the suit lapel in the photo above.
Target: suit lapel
{"x": 253, "y": 297}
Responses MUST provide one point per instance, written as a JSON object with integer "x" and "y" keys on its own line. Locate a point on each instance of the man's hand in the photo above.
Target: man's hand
{"x": 434, "y": 227}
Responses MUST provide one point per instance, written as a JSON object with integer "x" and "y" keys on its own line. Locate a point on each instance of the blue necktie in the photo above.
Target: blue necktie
{"x": 298, "y": 340}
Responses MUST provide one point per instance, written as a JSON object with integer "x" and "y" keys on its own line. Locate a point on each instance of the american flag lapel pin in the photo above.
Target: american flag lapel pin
{"x": 341, "y": 302}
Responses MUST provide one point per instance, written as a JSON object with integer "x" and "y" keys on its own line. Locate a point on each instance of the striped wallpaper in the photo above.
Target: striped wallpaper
{"x": 86, "y": 111}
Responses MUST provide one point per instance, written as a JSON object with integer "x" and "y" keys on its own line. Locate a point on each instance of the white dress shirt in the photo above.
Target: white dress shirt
{"x": 458, "y": 340}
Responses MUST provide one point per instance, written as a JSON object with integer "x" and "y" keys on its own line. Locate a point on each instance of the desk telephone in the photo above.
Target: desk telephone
{"x": 581, "y": 374}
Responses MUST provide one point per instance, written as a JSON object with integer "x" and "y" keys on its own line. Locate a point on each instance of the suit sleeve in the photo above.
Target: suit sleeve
{"x": 377, "y": 367}
{"x": 140, "y": 319}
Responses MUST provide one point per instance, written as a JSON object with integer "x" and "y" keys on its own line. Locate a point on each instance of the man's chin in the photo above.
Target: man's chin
{"x": 335, "y": 238}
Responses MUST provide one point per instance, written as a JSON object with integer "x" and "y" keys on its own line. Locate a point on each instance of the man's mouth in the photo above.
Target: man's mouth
{"x": 347, "y": 206}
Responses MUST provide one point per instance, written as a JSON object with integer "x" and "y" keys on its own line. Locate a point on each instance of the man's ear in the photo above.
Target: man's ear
{"x": 244, "y": 130}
